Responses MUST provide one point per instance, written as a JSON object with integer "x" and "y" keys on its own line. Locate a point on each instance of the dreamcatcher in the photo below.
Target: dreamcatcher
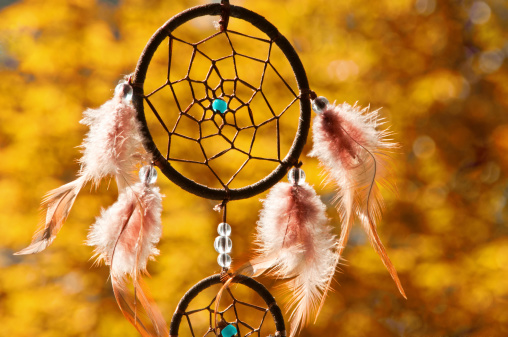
{"x": 200, "y": 105}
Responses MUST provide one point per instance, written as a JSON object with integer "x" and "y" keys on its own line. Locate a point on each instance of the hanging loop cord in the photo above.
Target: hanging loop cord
{"x": 224, "y": 16}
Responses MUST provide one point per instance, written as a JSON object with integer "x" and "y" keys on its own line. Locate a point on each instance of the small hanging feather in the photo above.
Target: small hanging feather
{"x": 109, "y": 149}
{"x": 124, "y": 237}
{"x": 294, "y": 242}
{"x": 355, "y": 156}
{"x": 112, "y": 144}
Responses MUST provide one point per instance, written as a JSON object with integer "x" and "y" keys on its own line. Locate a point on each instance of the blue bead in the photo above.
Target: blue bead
{"x": 219, "y": 105}
{"x": 229, "y": 331}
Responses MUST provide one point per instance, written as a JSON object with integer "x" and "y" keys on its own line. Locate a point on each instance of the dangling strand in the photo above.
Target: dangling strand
{"x": 223, "y": 245}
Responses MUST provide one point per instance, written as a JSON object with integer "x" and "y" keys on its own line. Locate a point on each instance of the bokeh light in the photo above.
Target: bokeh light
{"x": 438, "y": 71}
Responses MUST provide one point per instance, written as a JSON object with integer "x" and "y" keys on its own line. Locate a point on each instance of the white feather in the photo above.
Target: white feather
{"x": 355, "y": 155}
{"x": 110, "y": 148}
{"x": 295, "y": 242}
{"x": 125, "y": 238}
{"x": 125, "y": 235}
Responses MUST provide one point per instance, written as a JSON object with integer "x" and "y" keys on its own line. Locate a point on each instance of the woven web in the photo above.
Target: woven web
{"x": 214, "y": 148}
{"x": 238, "y": 313}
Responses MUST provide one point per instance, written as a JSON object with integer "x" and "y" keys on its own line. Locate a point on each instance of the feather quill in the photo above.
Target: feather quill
{"x": 109, "y": 149}
{"x": 125, "y": 237}
{"x": 355, "y": 156}
{"x": 295, "y": 243}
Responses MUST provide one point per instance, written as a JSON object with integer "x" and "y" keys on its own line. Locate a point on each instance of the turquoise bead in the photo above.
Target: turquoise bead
{"x": 219, "y": 105}
{"x": 229, "y": 331}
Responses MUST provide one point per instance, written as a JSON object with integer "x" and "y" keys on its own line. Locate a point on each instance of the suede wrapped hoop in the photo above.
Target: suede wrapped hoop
{"x": 285, "y": 163}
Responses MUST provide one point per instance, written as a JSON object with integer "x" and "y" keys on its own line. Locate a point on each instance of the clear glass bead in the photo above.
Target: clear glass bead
{"x": 223, "y": 244}
{"x": 148, "y": 174}
{"x": 319, "y": 104}
{"x": 224, "y": 229}
{"x": 224, "y": 260}
{"x": 125, "y": 90}
{"x": 296, "y": 176}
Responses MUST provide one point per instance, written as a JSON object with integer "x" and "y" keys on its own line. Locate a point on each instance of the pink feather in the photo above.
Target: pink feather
{"x": 295, "y": 242}
{"x": 111, "y": 146}
{"x": 355, "y": 156}
{"x": 125, "y": 236}
{"x": 109, "y": 149}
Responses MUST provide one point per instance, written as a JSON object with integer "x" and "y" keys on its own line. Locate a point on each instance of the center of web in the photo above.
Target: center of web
{"x": 227, "y": 110}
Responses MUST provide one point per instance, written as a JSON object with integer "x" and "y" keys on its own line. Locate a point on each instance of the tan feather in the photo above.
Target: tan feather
{"x": 149, "y": 323}
{"x": 57, "y": 203}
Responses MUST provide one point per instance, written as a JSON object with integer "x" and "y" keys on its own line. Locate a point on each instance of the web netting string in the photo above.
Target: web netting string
{"x": 222, "y": 105}
{"x": 235, "y": 313}
{"x": 239, "y": 324}
{"x": 225, "y": 115}
{"x": 225, "y": 122}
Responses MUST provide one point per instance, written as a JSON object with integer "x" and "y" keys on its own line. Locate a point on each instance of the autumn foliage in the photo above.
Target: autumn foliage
{"x": 438, "y": 70}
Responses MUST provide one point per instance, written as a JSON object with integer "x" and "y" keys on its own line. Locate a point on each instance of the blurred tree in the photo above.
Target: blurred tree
{"x": 437, "y": 68}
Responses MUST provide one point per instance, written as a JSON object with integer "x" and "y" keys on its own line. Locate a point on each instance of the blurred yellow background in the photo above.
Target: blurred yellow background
{"x": 437, "y": 69}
